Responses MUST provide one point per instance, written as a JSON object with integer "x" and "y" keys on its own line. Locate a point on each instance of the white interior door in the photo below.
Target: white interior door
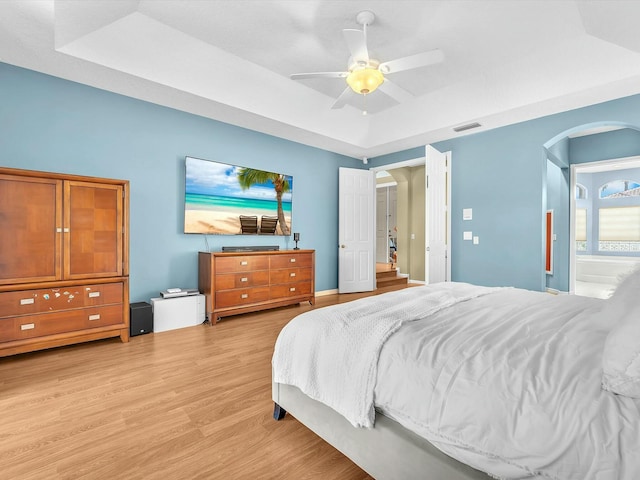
{"x": 436, "y": 216}
{"x": 356, "y": 230}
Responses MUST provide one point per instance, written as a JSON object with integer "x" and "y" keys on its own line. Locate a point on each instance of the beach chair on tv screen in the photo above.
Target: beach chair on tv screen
{"x": 248, "y": 224}
{"x": 268, "y": 225}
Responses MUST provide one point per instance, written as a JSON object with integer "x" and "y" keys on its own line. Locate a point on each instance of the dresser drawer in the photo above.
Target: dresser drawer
{"x": 241, "y": 263}
{"x": 241, "y": 296}
{"x": 26, "y": 302}
{"x": 228, "y": 281}
{"x": 291, "y": 260}
{"x": 291, "y": 290}
{"x": 290, "y": 275}
{"x": 17, "y": 328}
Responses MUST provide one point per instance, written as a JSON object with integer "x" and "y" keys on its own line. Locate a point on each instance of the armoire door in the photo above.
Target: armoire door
{"x": 93, "y": 224}
{"x": 30, "y": 229}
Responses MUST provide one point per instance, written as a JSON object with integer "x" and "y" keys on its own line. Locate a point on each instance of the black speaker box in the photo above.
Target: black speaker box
{"x": 140, "y": 319}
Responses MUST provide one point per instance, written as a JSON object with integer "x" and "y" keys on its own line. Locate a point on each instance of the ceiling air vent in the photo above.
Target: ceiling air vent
{"x": 468, "y": 126}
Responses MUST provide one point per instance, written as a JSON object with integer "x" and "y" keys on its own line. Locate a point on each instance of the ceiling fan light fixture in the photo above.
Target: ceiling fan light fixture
{"x": 365, "y": 80}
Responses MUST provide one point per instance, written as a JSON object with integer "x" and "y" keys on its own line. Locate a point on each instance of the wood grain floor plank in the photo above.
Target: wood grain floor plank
{"x": 193, "y": 403}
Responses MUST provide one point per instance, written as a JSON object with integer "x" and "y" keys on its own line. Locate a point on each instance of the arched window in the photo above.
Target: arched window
{"x": 581, "y": 191}
{"x": 619, "y": 189}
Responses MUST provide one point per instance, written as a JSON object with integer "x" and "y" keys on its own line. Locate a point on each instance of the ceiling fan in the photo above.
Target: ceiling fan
{"x": 365, "y": 74}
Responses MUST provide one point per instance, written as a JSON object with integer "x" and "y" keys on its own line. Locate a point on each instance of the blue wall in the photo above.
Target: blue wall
{"x": 558, "y": 182}
{"x": 502, "y": 174}
{"x": 396, "y": 157}
{"x": 51, "y": 124}
{"x": 55, "y": 125}
{"x": 558, "y": 153}
{"x": 604, "y": 146}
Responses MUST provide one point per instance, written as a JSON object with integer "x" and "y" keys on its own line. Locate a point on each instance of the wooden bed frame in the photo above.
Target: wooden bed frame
{"x": 387, "y": 451}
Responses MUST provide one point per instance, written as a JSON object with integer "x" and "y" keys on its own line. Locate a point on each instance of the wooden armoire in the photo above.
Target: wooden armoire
{"x": 64, "y": 266}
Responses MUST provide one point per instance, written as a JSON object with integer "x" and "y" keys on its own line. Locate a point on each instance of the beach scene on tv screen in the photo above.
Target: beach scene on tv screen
{"x": 223, "y": 199}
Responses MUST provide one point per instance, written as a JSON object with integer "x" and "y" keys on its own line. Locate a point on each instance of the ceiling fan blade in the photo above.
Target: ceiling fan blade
{"x": 341, "y": 101}
{"x": 357, "y": 43}
{"x": 302, "y": 76}
{"x": 396, "y": 92}
{"x": 412, "y": 61}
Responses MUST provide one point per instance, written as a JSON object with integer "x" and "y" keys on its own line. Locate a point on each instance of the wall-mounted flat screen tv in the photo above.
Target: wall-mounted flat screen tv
{"x": 223, "y": 199}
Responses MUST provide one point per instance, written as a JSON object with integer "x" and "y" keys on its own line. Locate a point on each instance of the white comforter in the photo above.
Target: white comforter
{"x": 331, "y": 354}
{"x": 508, "y": 382}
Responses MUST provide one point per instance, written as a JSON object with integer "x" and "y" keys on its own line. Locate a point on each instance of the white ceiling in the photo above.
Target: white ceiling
{"x": 505, "y": 60}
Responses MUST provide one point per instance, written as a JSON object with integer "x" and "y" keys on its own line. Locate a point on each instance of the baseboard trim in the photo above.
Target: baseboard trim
{"x": 554, "y": 291}
{"x": 323, "y": 293}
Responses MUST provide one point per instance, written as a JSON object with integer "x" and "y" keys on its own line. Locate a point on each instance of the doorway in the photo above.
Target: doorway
{"x": 605, "y": 226}
{"x": 386, "y": 218}
{"x": 400, "y": 226}
{"x": 422, "y": 229}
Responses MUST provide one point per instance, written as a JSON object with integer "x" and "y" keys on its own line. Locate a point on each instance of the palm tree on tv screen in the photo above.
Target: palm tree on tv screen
{"x": 249, "y": 176}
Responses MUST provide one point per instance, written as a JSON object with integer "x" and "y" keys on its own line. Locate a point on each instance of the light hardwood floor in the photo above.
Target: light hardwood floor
{"x": 193, "y": 403}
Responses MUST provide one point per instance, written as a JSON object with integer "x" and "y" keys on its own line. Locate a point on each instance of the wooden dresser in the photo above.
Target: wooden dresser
{"x": 242, "y": 282}
{"x": 63, "y": 260}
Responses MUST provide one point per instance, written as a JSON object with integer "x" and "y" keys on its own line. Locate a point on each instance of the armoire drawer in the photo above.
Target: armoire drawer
{"x": 17, "y": 328}
{"x": 228, "y": 281}
{"x": 241, "y": 263}
{"x": 290, "y": 275}
{"x": 26, "y": 302}
{"x": 290, "y": 290}
{"x": 241, "y": 296}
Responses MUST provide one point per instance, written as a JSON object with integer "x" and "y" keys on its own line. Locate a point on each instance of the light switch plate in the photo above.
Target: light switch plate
{"x": 467, "y": 235}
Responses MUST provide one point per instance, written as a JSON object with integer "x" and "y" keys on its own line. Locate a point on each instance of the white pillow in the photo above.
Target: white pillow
{"x": 621, "y": 355}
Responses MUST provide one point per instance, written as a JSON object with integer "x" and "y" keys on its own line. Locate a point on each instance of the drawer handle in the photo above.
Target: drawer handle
{"x": 292, "y": 289}
{"x": 94, "y": 294}
{"x": 244, "y": 279}
{"x": 292, "y": 260}
{"x": 94, "y": 317}
{"x": 244, "y": 262}
{"x": 27, "y": 301}
{"x": 292, "y": 274}
{"x": 244, "y": 295}
{"x": 28, "y": 326}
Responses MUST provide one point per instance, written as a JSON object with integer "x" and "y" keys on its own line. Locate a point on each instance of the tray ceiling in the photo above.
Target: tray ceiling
{"x": 231, "y": 60}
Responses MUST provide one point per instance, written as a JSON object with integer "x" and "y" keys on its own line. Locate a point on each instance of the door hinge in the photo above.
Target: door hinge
{"x": 427, "y": 181}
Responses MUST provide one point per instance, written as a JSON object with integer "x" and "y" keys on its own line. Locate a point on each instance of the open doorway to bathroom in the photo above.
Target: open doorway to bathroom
{"x": 606, "y": 224}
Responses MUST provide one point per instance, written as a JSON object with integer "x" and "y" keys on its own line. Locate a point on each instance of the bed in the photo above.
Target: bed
{"x": 455, "y": 381}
